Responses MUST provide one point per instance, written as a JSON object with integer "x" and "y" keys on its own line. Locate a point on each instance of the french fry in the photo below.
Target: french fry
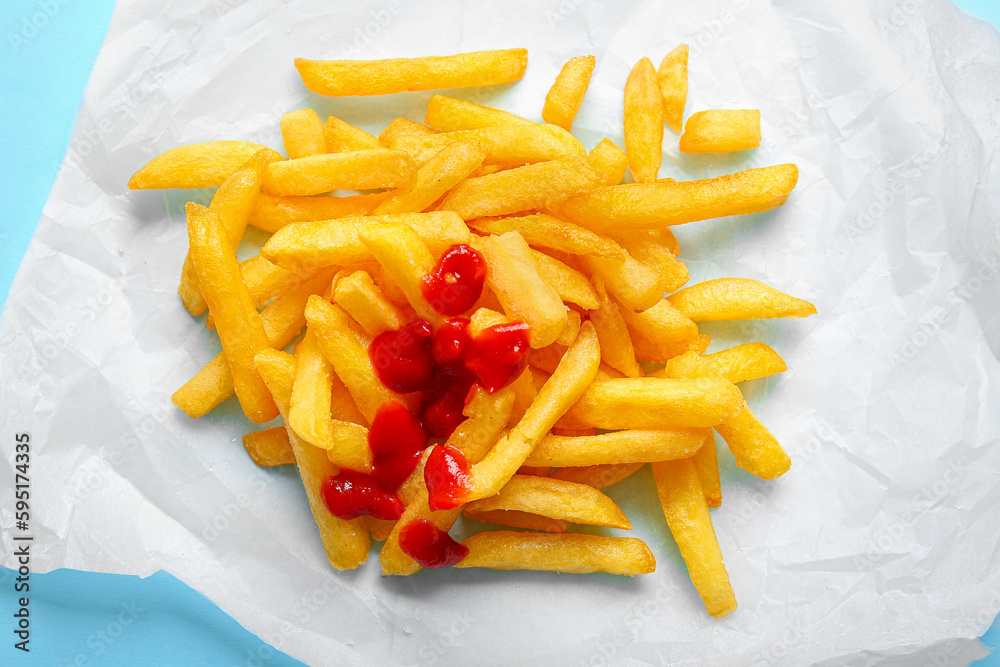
{"x": 658, "y": 403}
{"x": 571, "y": 285}
{"x": 407, "y": 260}
{"x": 686, "y": 512}
{"x": 610, "y": 159}
{"x": 656, "y": 205}
{"x": 574, "y": 373}
{"x": 599, "y": 476}
{"x": 364, "y": 301}
{"x": 570, "y": 553}
{"x": 341, "y": 137}
{"x": 672, "y": 77}
{"x": 629, "y": 446}
{"x": 545, "y": 231}
{"x": 283, "y": 319}
{"x": 737, "y": 299}
{"x": 519, "y": 520}
{"x": 302, "y": 133}
{"x": 443, "y": 171}
{"x": 524, "y": 394}
{"x": 339, "y": 78}
{"x": 616, "y": 345}
{"x": 747, "y": 362}
{"x": 706, "y": 463}
{"x": 662, "y": 323}
{"x": 196, "y": 166}
{"x": 556, "y": 499}
{"x": 239, "y": 326}
{"x": 647, "y": 349}
{"x": 232, "y": 203}
{"x": 566, "y": 94}
{"x": 309, "y": 414}
{"x": 515, "y": 278}
{"x": 572, "y": 329}
{"x": 449, "y": 115}
{"x": 484, "y": 318}
{"x": 644, "y": 246}
{"x": 271, "y": 213}
{"x": 304, "y": 246}
{"x": 402, "y": 127}
{"x": 346, "y": 542}
{"x": 721, "y": 131}
{"x": 520, "y": 189}
{"x": 269, "y": 447}
{"x": 379, "y": 529}
{"x": 634, "y": 284}
{"x": 353, "y": 170}
{"x": 348, "y": 352}
{"x": 486, "y": 170}
{"x": 507, "y": 145}
{"x": 643, "y": 122}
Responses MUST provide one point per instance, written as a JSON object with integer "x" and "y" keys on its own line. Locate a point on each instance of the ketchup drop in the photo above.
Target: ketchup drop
{"x": 456, "y": 282}
{"x": 430, "y": 546}
{"x": 397, "y": 441}
{"x": 498, "y": 355}
{"x": 446, "y": 475}
{"x": 402, "y": 358}
{"x": 351, "y": 494}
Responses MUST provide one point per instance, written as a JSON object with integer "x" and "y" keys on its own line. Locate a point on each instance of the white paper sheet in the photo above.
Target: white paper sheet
{"x": 879, "y": 547}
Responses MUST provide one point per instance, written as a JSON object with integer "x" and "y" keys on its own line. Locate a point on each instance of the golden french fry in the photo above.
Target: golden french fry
{"x": 283, "y": 319}
{"x": 545, "y": 231}
{"x": 348, "y": 352}
{"x": 572, "y": 329}
{"x": 196, "y": 166}
{"x": 706, "y": 463}
{"x": 629, "y": 446}
{"x": 574, "y": 373}
{"x": 616, "y": 345}
{"x": 571, "y": 285}
{"x": 686, "y": 512}
{"x": 656, "y": 205}
{"x": 566, "y": 94}
{"x": 270, "y": 447}
{"x": 643, "y": 122}
{"x": 309, "y": 413}
{"x": 662, "y": 323}
{"x": 379, "y": 529}
{"x": 648, "y": 349}
{"x": 519, "y": 520}
{"x": 721, "y": 131}
{"x": 302, "y": 133}
{"x": 232, "y": 203}
{"x": 747, "y": 362}
{"x": 672, "y": 77}
{"x": 571, "y": 553}
{"x": 485, "y": 318}
{"x": 520, "y": 189}
{"x": 486, "y": 170}
{"x": 407, "y": 260}
{"x": 346, "y": 542}
{"x": 353, "y": 170}
{"x": 525, "y": 390}
{"x": 239, "y": 326}
{"x": 507, "y": 145}
{"x": 634, "y": 284}
{"x": 599, "y": 476}
{"x": 515, "y": 278}
{"x": 546, "y": 359}
{"x": 364, "y": 301}
{"x": 340, "y": 78}
{"x": 610, "y": 159}
{"x": 402, "y": 127}
{"x": 658, "y": 403}
{"x": 556, "y": 499}
{"x": 271, "y": 213}
{"x": 737, "y": 299}
{"x": 449, "y": 115}
{"x": 446, "y": 169}
{"x": 341, "y": 137}
{"x": 644, "y": 246}
{"x": 304, "y": 246}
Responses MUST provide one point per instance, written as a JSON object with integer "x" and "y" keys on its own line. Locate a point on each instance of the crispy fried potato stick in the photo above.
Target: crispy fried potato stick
{"x": 570, "y": 553}
{"x": 341, "y": 137}
{"x": 269, "y": 447}
{"x": 302, "y": 133}
{"x": 643, "y": 122}
{"x": 196, "y": 166}
{"x": 271, "y": 213}
{"x": 737, "y": 299}
{"x": 672, "y": 77}
{"x": 545, "y": 231}
{"x": 658, "y": 403}
{"x": 566, "y": 94}
{"x": 629, "y": 446}
{"x": 721, "y": 131}
{"x": 610, "y": 159}
{"x": 556, "y": 499}
{"x": 599, "y": 476}
{"x": 353, "y": 170}
{"x": 443, "y": 171}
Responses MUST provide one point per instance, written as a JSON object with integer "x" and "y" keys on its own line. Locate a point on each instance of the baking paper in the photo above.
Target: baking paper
{"x": 880, "y": 546}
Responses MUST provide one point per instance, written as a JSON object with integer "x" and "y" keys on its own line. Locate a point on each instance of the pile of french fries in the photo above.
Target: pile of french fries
{"x": 616, "y": 376}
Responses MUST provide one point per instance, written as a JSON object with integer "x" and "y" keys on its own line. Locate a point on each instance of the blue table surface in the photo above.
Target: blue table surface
{"x": 82, "y": 618}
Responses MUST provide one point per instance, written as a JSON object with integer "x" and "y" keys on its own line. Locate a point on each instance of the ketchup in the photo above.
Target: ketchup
{"x": 456, "y": 282}
{"x": 402, "y": 358}
{"x": 498, "y": 355}
{"x": 351, "y": 494}
{"x": 446, "y": 475}
{"x": 430, "y": 546}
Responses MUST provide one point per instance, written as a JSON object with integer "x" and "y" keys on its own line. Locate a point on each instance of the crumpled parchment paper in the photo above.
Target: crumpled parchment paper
{"x": 880, "y": 546}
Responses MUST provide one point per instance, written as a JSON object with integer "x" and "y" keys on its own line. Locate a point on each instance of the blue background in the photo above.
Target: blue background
{"x": 48, "y": 49}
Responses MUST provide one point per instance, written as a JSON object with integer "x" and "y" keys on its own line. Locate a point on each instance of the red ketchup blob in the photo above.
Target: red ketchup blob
{"x": 456, "y": 282}
{"x": 446, "y": 475}
{"x": 430, "y": 546}
{"x": 397, "y": 441}
{"x": 402, "y": 358}
{"x": 351, "y": 494}
{"x": 450, "y": 342}
{"x": 498, "y": 354}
